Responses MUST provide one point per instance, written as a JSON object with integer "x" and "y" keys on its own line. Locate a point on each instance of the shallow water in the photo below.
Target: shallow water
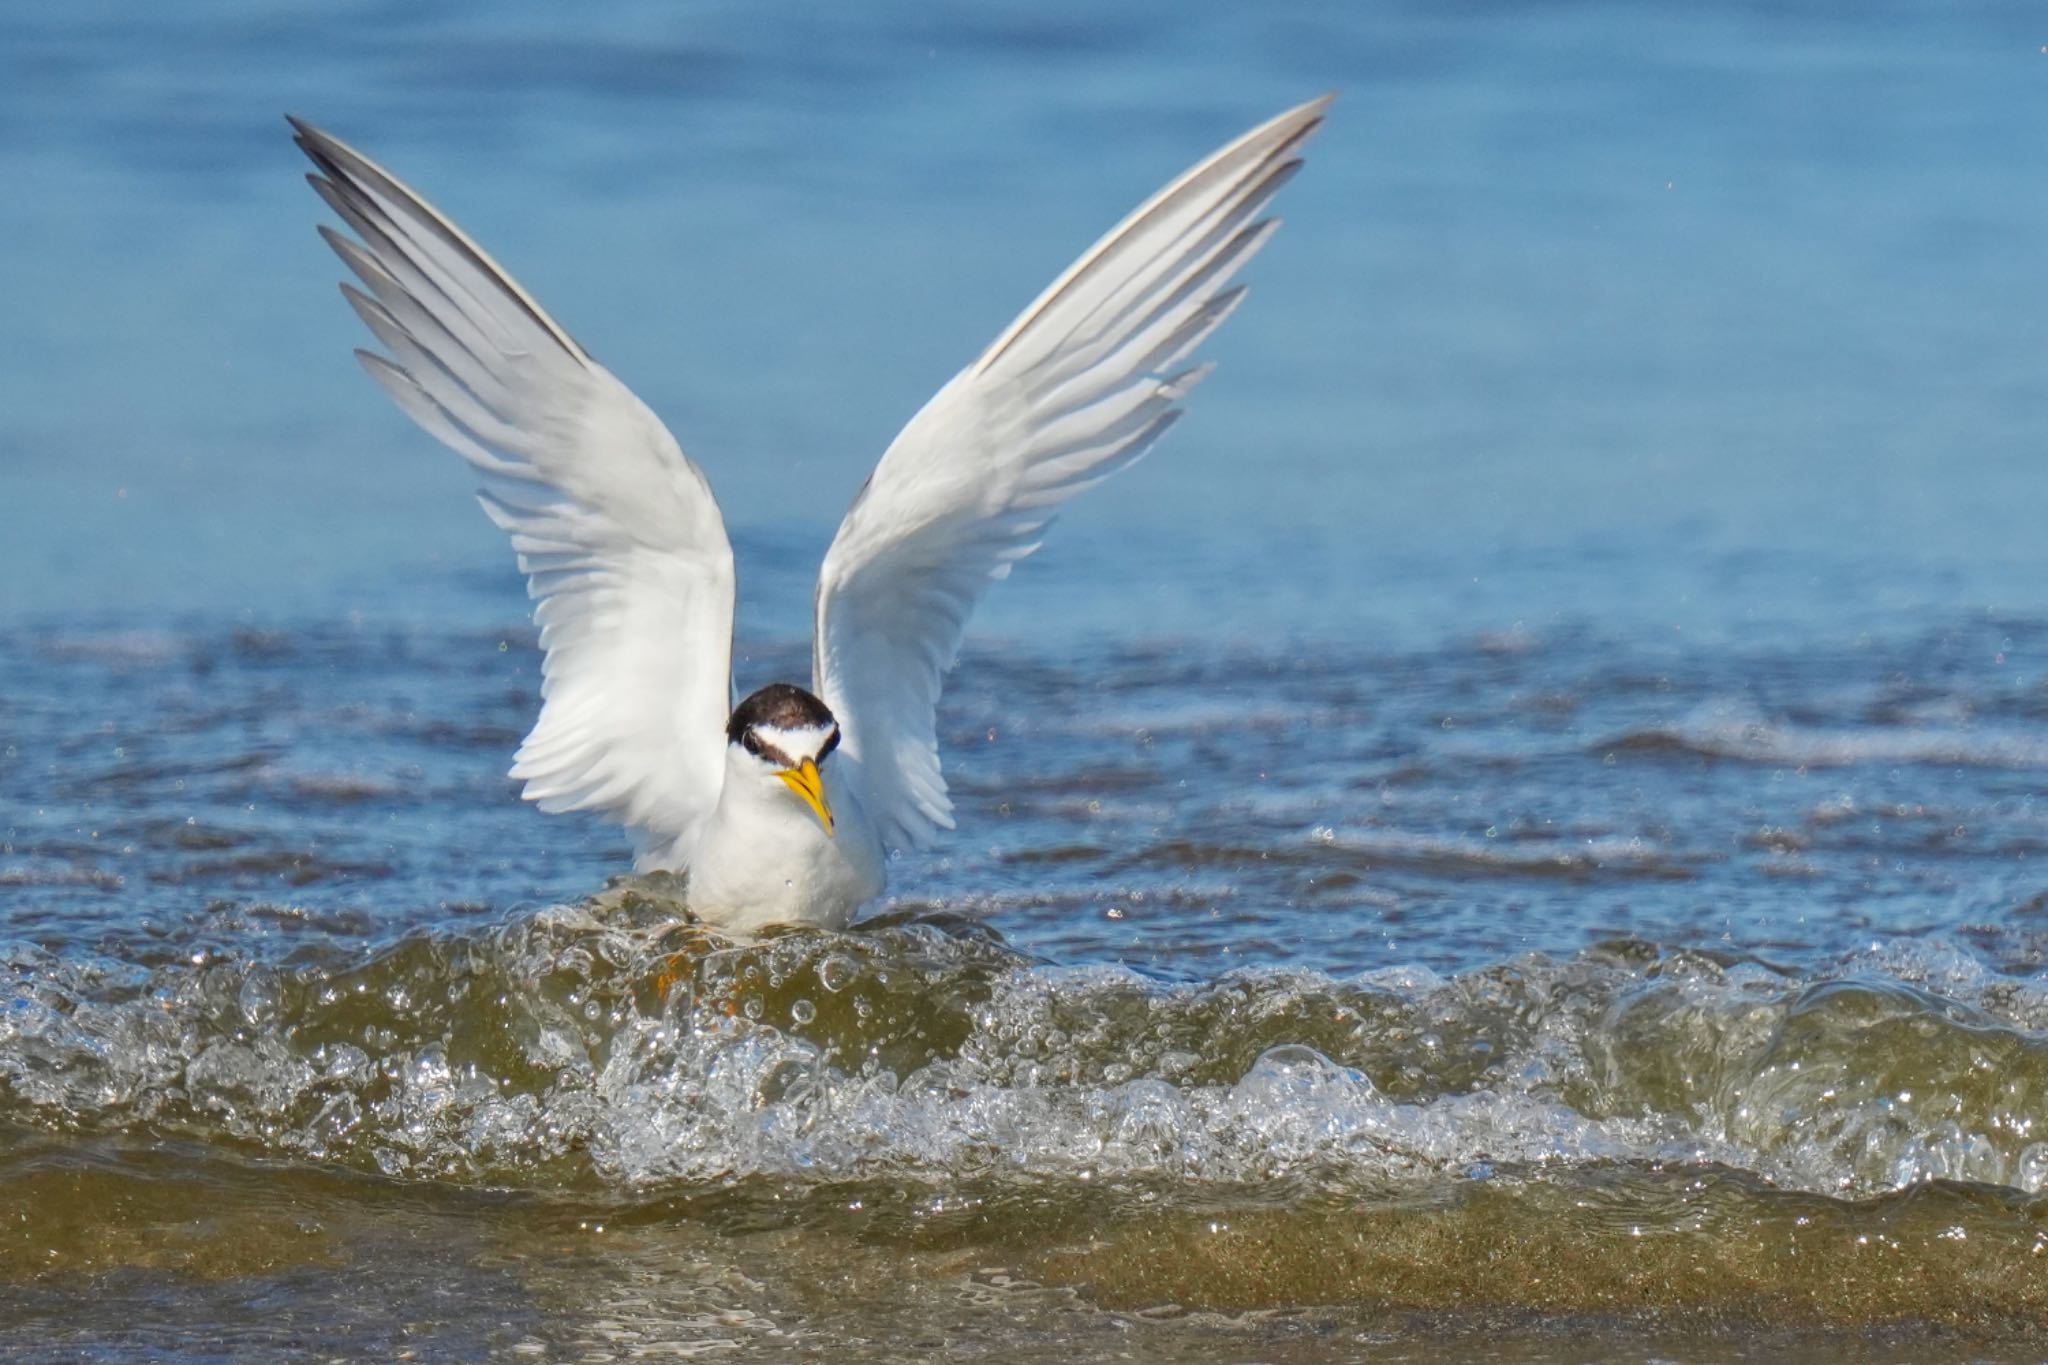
{"x": 1515, "y": 835}
{"x": 1729, "y": 1018}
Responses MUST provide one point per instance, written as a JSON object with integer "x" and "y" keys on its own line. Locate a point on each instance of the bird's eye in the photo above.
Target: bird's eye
{"x": 831, "y": 743}
{"x": 751, "y": 742}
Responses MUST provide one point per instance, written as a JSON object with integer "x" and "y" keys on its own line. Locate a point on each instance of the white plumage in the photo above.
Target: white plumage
{"x": 625, "y": 551}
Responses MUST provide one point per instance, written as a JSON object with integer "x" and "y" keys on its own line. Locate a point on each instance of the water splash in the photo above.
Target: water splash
{"x": 607, "y": 1046}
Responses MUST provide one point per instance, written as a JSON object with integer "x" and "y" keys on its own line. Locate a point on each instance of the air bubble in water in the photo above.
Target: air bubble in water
{"x": 2030, "y": 1172}
{"x": 259, "y": 998}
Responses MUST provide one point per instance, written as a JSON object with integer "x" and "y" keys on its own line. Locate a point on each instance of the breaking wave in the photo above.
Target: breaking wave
{"x": 606, "y": 1047}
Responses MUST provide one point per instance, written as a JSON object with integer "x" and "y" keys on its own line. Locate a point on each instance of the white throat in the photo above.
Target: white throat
{"x": 764, "y": 858}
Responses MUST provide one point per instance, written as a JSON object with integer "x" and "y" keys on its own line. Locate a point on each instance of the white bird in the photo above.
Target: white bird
{"x": 781, "y": 810}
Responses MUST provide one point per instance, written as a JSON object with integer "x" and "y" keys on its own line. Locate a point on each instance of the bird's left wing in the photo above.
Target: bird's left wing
{"x": 1080, "y": 385}
{"x": 617, "y": 531}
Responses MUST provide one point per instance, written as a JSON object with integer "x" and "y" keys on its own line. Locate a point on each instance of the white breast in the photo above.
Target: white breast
{"x": 764, "y": 859}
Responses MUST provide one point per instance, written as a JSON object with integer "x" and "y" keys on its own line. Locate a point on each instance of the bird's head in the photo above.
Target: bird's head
{"x": 784, "y": 734}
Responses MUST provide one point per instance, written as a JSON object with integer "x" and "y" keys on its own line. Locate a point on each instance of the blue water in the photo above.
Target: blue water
{"x": 1615, "y": 520}
{"x": 1693, "y": 321}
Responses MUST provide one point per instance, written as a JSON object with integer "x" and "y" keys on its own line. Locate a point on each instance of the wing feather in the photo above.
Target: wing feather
{"x": 1082, "y": 383}
{"x": 618, "y": 533}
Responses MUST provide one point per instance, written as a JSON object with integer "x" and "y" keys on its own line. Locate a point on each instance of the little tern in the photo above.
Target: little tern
{"x": 781, "y": 810}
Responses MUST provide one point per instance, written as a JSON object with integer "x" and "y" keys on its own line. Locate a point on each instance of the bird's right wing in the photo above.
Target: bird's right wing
{"x": 617, "y": 531}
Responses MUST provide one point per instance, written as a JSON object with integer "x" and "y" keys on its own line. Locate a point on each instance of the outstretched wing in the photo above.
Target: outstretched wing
{"x": 1076, "y": 388}
{"x": 616, "y": 530}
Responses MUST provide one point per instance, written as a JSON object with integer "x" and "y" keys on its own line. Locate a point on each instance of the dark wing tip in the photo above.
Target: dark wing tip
{"x": 308, "y": 138}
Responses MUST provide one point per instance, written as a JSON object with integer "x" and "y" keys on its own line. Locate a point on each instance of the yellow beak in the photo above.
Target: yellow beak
{"x": 806, "y": 781}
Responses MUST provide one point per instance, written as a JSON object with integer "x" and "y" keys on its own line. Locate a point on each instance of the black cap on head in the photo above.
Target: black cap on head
{"x": 780, "y": 706}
